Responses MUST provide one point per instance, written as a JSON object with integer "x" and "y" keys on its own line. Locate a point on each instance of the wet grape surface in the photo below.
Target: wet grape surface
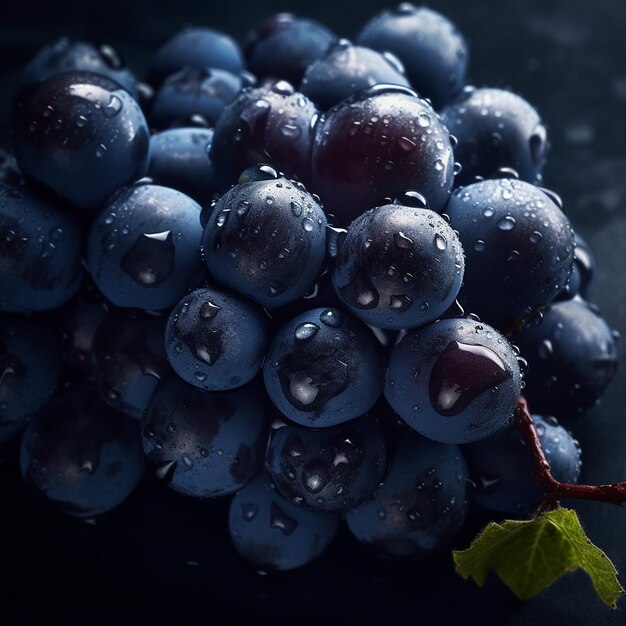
{"x": 563, "y": 59}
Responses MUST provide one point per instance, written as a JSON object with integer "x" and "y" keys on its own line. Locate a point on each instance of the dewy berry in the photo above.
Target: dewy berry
{"x": 495, "y": 128}
{"x": 203, "y": 339}
{"x": 519, "y": 248}
{"x": 40, "y": 250}
{"x": 190, "y": 92}
{"x": 456, "y": 380}
{"x": 377, "y": 144}
{"x": 143, "y": 249}
{"x": 67, "y": 56}
{"x": 271, "y": 123}
{"x": 195, "y": 48}
{"x": 379, "y": 271}
{"x": 324, "y": 367}
{"x": 266, "y": 239}
{"x": 500, "y": 465}
{"x": 308, "y": 305}
{"x": 331, "y": 469}
{"x": 81, "y": 135}
{"x": 432, "y": 50}
{"x": 347, "y": 69}
{"x": 179, "y": 158}
{"x": 204, "y": 444}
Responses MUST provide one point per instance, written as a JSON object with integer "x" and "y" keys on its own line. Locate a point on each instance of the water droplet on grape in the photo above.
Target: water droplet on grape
{"x": 506, "y": 223}
{"x": 306, "y": 331}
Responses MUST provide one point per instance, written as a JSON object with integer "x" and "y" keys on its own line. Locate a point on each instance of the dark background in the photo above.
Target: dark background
{"x": 165, "y": 559}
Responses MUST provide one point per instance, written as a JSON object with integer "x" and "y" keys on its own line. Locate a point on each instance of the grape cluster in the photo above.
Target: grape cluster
{"x": 311, "y": 275}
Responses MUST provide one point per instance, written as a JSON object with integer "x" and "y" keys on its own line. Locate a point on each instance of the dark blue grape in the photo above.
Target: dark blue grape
{"x": 518, "y": 245}
{"x": 284, "y": 45}
{"x": 190, "y": 92}
{"x": 144, "y": 247}
{"x": 216, "y": 340}
{"x": 129, "y": 360}
{"x": 196, "y": 48}
{"x": 399, "y": 267}
{"x": 346, "y": 69}
{"x": 496, "y": 129}
{"x": 455, "y": 381}
{"x": 82, "y": 135}
{"x": 204, "y": 444}
{"x": 502, "y": 466}
{"x": 274, "y": 534}
{"x": 179, "y": 158}
{"x": 271, "y": 124}
{"x": 432, "y": 50}
{"x": 80, "y": 456}
{"x": 323, "y": 368}
{"x": 66, "y": 56}
{"x": 30, "y": 367}
{"x": 331, "y": 469}
{"x": 377, "y": 144}
{"x": 266, "y": 240}
{"x": 572, "y": 357}
{"x": 40, "y": 251}
{"x": 420, "y": 506}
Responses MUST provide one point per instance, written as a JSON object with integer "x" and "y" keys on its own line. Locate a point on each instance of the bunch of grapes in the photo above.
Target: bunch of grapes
{"x": 313, "y": 276}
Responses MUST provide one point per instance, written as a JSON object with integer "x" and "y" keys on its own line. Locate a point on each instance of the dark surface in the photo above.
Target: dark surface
{"x": 137, "y": 565}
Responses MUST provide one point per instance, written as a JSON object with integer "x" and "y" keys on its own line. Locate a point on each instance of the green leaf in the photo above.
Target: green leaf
{"x": 529, "y": 556}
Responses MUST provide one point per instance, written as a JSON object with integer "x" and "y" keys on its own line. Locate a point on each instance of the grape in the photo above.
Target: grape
{"x": 80, "y": 456}
{"x": 572, "y": 358}
{"x": 346, "y": 69}
{"x": 144, "y": 247}
{"x": 501, "y": 466}
{"x": 519, "y": 248}
{"x": 455, "y": 381}
{"x": 204, "y": 444}
{"x": 496, "y": 129}
{"x": 284, "y": 45}
{"x": 266, "y": 240}
{"x": 66, "y": 56}
{"x": 216, "y": 340}
{"x": 82, "y": 135}
{"x": 331, "y": 469}
{"x": 398, "y": 267}
{"x": 39, "y": 256}
{"x": 179, "y": 158}
{"x": 432, "y": 50}
{"x": 274, "y": 534}
{"x": 420, "y": 506}
{"x": 196, "y": 48}
{"x": 271, "y": 124}
{"x": 377, "y": 144}
{"x": 323, "y": 368}
{"x": 190, "y": 92}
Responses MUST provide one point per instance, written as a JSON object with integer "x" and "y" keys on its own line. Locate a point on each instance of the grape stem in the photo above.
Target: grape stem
{"x": 614, "y": 493}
